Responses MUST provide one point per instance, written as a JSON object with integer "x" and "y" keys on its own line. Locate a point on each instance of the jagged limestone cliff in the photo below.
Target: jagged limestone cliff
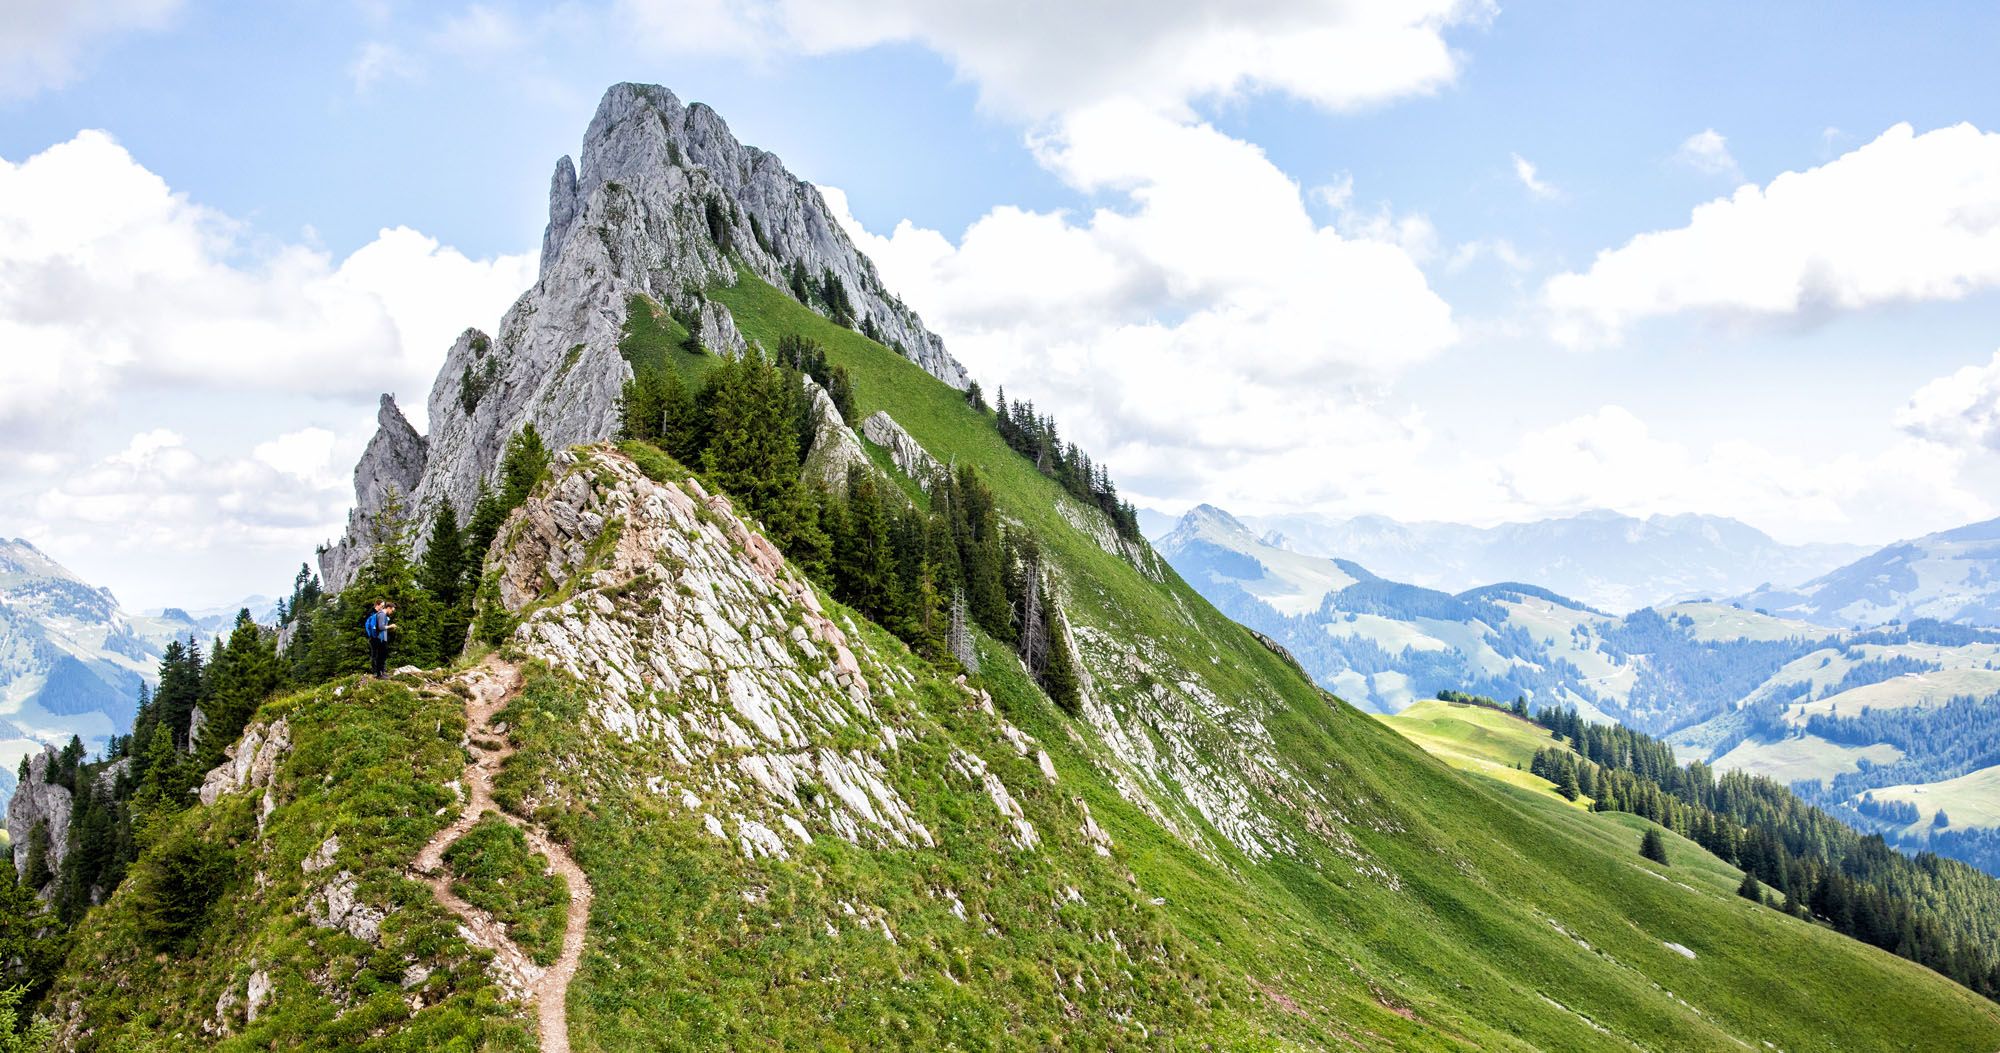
{"x": 667, "y": 204}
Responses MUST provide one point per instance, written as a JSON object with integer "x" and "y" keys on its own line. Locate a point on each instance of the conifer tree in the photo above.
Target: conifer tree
{"x": 1750, "y": 889}
{"x": 1060, "y": 679}
{"x": 243, "y": 674}
{"x": 443, "y": 577}
{"x": 1652, "y": 846}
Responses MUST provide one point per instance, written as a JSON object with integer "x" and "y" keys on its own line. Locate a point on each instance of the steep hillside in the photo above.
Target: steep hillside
{"x": 1607, "y": 560}
{"x": 797, "y": 835}
{"x": 749, "y": 816}
{"x": 1950, "y": 576}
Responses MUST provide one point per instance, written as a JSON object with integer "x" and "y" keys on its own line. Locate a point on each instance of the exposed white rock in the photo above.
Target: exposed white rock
{"x": 835, "y": 448}
{"x": 38, "y": 801}
{"x": 716, "y": 329}
{"x": 337, "y": 906}
{"x": 908, "y": 455}
{"x": 252, "y": 761}
{"x": 256, "y": 994}
{"x": 393, "y": 463}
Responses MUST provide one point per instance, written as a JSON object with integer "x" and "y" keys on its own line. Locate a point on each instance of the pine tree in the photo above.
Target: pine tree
{"x": 1566, "y": 786}
{"x": 1060, "y": 679}
{"x": 1750, "y": 889}
{"x": 1654, "y": 847}
{"x": 442, "y": 575}
{"x": 243, "y": 674}
{"x": 526, "y": 460}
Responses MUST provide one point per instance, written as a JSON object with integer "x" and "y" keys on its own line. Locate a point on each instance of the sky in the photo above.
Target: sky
{"x": 1428, "y": 259}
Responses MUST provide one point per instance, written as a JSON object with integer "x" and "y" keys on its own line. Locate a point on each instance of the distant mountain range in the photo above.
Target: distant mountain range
{"x": 1604, "y": 559}
{"x": 1888, "y": 725}
{"x": 71, "y": 661}
{"x": 1952, "y": 576}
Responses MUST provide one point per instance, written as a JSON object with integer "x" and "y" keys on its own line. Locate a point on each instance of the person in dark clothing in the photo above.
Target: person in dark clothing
{"x": 377, "y": 629}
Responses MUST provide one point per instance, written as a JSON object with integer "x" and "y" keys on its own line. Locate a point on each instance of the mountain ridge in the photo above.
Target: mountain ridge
{"x": 1604, "y": 558}
{"x": 665, "y": 204}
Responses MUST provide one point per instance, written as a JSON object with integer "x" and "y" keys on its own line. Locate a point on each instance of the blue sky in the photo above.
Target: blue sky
{"x": 1204, "y": 172}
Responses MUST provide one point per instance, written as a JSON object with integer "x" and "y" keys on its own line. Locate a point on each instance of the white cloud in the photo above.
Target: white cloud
{"x": 377, "y": 62}
{"x": 1962, "y": 409}
{"x": 1041, "y": 57}
{"x": 1611, "y": 459}
{"x": 1224, "y": 349}
{"x": 1707, "y": 152}
{"x": 1524, "y": 170}
{"x": 110, "y": 282}
{"x": 1905, "y": 218}
{"x": 43, "y": 41}
{"x": 481, "y": 30}
{"x": 181, "y": 528}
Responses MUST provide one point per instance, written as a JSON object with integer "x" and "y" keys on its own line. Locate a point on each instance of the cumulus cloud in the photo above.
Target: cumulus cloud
{"x": 1041, "y": 57}
{"x": 111, "y": 282}
{"x": 377, "y": 62}
{"x": 1905, "y": 218}
{"x": 1524, "y": 170}
{"x": 1962, "y": 409}
{"x": 1707, "y": 152}
{"x": 44, "y": 43}
{"x": 1206, "y": 336}
{"x": 157, "y": 495}
{"x": 1611, "y": 459}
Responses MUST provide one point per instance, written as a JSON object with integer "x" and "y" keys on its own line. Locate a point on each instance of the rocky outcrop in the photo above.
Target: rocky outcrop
{"x": 706, "y": 647}
{"x": 37, "y": 801}
{"x": 392, "y": 464}
{"x": 716, "y": 328}
{"x": 909, "y": 455}
{"x": 835, "y": 448}
{"x": 665, "y": 203}
{"x": 253, "y": 762}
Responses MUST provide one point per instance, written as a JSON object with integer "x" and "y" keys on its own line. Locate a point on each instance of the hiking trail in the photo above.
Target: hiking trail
{"x": 494, "y": 682}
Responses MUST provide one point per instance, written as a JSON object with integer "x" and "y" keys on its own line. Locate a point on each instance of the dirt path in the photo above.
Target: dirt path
{"x": 494, "y": 683}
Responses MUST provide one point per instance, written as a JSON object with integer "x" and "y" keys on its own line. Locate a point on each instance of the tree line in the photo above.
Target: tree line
{"x": 1935, "y": 911}
{"x": 926, "y": 566}
{"x": 1036, "y": 437}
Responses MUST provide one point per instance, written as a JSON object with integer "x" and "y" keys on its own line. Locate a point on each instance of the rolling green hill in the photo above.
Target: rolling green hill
{"x": 1216, "y": 855}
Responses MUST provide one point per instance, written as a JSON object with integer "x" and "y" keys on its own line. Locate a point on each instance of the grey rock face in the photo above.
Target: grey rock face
{"x": 834, "y": 447}
{"x": 36, "y": 800}
{"x": 563, "y": 207}
{"x": 664, "y": 196}
{"x": 717, "y": 331}
{"x": 393, "y": 463}
{"x": 915, "y": 461}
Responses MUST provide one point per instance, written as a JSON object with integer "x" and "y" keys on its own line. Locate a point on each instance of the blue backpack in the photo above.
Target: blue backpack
{"x": 368, "y": 625}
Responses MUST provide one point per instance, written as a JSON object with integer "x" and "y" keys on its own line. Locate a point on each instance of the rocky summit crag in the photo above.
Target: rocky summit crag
{"x": 666, "y": 204}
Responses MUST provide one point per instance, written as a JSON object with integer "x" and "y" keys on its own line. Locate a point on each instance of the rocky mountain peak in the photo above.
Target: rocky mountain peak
{"x": 665, "y": 203}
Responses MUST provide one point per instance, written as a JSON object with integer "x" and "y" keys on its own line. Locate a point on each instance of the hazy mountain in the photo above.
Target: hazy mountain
{"x": 71, "y": 661}
{"x": 1887, "y": 727}
{"x": 1952, "y": 575}
{"x": 1604, "y": 559}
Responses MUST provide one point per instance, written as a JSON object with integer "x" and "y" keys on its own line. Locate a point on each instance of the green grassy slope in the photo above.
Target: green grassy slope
{"x": 1460, "y": 936}
{"x": 1477, "y": 739}
{"x": 1284, "y": 872}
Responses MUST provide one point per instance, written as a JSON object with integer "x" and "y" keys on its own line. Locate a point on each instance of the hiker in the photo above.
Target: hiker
{"x": 377, "y": 628}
